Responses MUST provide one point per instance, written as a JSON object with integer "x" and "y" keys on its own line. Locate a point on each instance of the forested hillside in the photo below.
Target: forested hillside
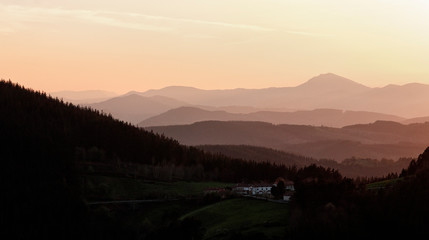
{"x": 350, "y": 167}
{"x": 46, "y": 145}
{"x": 38, "y": 128}
{"x": 332, "y": 208}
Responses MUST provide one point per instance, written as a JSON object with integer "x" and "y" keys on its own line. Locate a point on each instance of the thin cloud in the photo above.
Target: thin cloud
{"x": 200, "y": 36}
{"x": 116, "y": 19}
{"x": 128, "y": 20}
{"x": 202, "y": 22}
{"x": 32, "y": 14}
{"x": 312, "y": 34}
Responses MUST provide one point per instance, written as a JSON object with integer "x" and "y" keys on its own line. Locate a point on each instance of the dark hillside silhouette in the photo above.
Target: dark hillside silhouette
{"x": 44, "y": 143}
{"x": 350, "y": 167}
{"x": 328, "y": 206}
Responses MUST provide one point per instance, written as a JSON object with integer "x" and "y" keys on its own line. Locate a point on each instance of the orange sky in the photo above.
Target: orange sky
{"x": 127, "y": 45}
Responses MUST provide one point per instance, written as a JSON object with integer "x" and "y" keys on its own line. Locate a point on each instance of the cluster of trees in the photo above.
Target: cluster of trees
{"x": 350, "y": 167}
{"x": 330, "y": 206}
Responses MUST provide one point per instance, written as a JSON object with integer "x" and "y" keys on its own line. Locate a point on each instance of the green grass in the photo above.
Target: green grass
{"x": 246, "y": 216}
{"x": 382, "y": 184}
{"x": 117, "y": 188}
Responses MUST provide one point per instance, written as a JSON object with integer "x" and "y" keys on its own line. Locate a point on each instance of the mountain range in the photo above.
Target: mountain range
{"x": 319, "y": 117}
{"x": 88, "y": 96}
{"x": 327, "y": 99}
{"x": 133, "y": 107}
{"x": 382, "y": 139}
{"x": 324, "y": 91}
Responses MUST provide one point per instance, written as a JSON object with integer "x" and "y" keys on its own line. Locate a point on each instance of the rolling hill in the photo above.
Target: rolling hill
{"x": 84, "y": 97}
{"x": 132, "y": 107}
{"x": 327, "y": 86}
{"x": 349, "y": 102}
{"x": 382, "y": 139}
{"x": 416, "y": 120}
{"x": 350, "y": 167}
{"x": 250, "y": 217}
{"x": 324, "y": 91}
{"x": 319, "y": 117}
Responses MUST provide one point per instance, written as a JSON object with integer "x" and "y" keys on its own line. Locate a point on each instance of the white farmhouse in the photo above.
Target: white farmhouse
{"x": 260, "y": 189}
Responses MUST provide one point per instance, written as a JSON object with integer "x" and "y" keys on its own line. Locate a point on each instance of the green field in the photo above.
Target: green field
{"x": 233, "y": 218}
{"x": 246, "y": 217}
{"x": 118, "y": 188}
{"x": 382, "y": 184}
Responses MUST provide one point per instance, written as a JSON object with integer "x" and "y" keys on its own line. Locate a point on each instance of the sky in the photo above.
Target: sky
{"x": 113, "y": 45}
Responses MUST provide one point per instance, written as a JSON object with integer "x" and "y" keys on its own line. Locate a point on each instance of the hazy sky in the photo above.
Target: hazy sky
{"x": 127, "y": 45}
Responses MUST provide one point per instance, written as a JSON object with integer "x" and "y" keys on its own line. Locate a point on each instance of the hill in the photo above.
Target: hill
{"x": 350, "y": 167}
{"x": 319, "y": 117}
{"x": 50, "y": 147}
{"x": 259, "y": 154}
{"x": 311, "y": 102}
{"x": 329, "y": 86}
{"x": 132, "y": 108}
{"x": 243, "y": 218}
{"x": 324, "y": 91}
{"x": 416, "y": 120}
{"x": 84, "y": 97}
{"x": 378, "y": 140}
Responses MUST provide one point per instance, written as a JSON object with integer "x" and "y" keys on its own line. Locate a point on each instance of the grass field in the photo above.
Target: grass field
{"x": 117, "y": 188}
{"x": 221, "y": 220}
{"x": 248, "y": 217}
{"x": 382, "y": 184}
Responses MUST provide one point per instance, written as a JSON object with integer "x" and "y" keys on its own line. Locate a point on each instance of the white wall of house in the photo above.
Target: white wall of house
{"x": 286, "y": 198}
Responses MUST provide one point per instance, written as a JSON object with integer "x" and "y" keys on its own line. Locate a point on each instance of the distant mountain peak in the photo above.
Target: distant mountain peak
{"x": 332, "y": 81}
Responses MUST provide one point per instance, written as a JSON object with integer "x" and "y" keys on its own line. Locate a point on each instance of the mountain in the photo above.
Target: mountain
{"x": 259, "y": 154}
{"x": 332, "y": 83}
{"x": 409, "y": 100}
{"x": 88, "y": 96}
{"x": 320, "y": 94}
{"x": 382, "y": 139}
{"x": 326, "y": 91}
{"x": 325, "y": 117}
{"x": 133, "y": 108}
{"x": 214, "y": 98}
{"x": 416, "y": 120}
{"x": 186, "y": 115}
{"x": 329, "y": 86}
{"x": 243, "y": 109}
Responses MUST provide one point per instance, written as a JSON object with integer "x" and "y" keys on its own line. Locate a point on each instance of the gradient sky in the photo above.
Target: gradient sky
{"x": 114, "y": 45}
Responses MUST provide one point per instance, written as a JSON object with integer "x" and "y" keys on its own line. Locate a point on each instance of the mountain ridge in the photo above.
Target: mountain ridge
{"x": 134, "y": 107}
{"x": 325, "y": 91}
{"x": 385, "y": 139}
{"x": 322, "y": 91}
{"x": 317, "y": 117}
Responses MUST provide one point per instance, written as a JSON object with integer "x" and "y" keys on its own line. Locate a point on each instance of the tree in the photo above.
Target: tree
{"x": 278, "y": 190}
